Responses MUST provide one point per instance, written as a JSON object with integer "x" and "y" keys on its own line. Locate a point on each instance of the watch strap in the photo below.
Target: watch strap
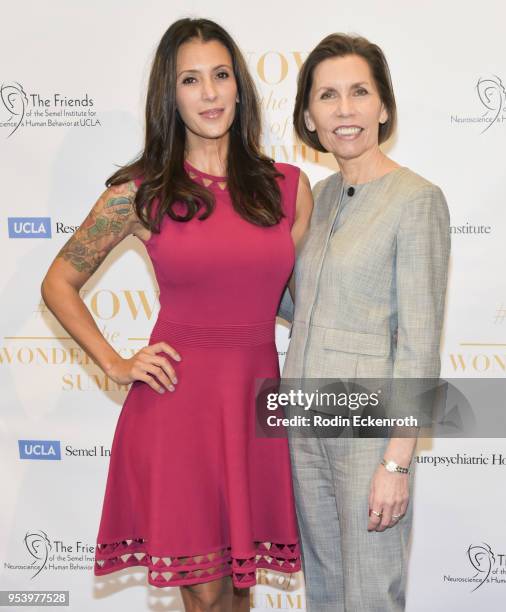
{"x": 394, "y": 467}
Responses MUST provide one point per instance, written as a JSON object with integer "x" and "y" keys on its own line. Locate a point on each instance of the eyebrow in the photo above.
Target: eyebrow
{"x": 353, "y": 85}
{"x": 193, "y": 71}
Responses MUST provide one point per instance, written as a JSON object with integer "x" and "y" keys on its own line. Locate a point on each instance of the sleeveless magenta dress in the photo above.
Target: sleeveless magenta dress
{"x": 192, "y": 493}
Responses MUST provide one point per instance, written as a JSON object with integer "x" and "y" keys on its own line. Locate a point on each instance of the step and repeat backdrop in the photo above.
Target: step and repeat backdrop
{"x": 73, "y": 79}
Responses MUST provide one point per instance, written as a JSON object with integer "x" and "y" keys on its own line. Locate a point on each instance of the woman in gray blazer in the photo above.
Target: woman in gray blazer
{"x": 370, "y": 283}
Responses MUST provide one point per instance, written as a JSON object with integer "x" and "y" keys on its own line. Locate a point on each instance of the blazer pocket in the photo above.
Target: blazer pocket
{"x": 363, "y": 343}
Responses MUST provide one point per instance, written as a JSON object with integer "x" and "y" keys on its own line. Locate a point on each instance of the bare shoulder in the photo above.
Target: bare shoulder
{"x": 303, "y": 210}
{"x": 304, "y": 205}
{"x": 304, "y": 180}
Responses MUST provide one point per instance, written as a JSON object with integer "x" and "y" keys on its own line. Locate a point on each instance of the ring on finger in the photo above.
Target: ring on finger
{"x": 379, "y": 514}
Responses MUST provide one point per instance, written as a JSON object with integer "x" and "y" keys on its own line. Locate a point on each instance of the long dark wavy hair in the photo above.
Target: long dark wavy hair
{"x": 251, "y": 176}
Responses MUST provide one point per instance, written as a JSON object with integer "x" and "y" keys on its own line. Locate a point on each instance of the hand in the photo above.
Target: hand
{"x": 389, "y": 495}
{"x": 144, "y": 363}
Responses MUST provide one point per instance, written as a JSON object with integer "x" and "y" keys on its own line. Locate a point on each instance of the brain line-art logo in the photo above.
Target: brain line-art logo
{"x": 492, "y": 95}
{"x": 38, "y": 546}
{"x": 482, "y": 559}
{"x": 15, "y": 101}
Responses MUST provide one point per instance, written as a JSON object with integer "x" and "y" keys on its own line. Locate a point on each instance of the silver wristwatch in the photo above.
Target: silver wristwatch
{"x": 391, "y": 466}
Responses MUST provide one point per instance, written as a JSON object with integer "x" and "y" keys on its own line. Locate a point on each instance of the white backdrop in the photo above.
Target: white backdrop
{"x": 448, "y": 67}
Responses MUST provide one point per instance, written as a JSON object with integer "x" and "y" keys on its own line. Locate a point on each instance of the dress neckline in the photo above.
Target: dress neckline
{"x": 206, "y": 175}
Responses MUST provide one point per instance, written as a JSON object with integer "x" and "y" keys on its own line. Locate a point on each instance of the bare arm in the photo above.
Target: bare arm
{"x": 303, "y": 210}
{"x": 111, "y": 219}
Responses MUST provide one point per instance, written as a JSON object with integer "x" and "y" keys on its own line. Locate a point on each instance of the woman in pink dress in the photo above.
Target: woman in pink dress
{"x": 192, "y": 494}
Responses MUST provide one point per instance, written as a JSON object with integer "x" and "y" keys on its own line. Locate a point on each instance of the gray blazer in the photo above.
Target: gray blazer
{"x": 370, "y": 280}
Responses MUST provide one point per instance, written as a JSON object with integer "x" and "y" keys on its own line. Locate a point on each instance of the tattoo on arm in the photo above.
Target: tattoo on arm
{"x": 107, "y": 224}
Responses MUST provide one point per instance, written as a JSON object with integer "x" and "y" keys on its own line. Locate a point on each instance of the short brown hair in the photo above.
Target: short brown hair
{"x": 340, "y": 45}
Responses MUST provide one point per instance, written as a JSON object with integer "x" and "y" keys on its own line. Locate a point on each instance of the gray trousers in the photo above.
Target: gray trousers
{"x": 346, "y": 568}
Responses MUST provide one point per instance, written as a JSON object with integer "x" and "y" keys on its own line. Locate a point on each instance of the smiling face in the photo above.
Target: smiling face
{"x": 344, "y": 107}
{"x": 206, "y": 89}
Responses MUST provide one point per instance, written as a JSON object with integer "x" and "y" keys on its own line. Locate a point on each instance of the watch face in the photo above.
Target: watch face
{"x": 391, "y": 465}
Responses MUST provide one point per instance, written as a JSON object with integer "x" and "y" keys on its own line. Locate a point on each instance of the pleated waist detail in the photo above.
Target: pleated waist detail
{"x": 206, "y": 335}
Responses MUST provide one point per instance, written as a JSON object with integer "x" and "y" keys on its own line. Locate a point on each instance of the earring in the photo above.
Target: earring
{"x": 237, "y": 99}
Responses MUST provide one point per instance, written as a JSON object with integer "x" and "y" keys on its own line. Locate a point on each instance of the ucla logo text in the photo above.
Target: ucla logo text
{"x": 39, "y": 449}
{"x": 29, "y": 227}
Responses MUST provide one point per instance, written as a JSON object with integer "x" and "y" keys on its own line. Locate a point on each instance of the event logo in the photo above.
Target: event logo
{"x": 275, "y": 73}
{"x": 29, "y": 227}
{"x": 22, "y": 109}
{"x": 53, "y": 555}
{"x": 124, "y": 317}
{"x": 482, "y": 356}
{"x": 482, "y": 559}
{"x": 39, "y": 449}
{"x": 38, "y": 545}
{"x": 37, "y": 227}
{"x": 15, "y": 101}
{"x": 491, "y": 94}
{"x": 52, "y": 449}
{"x": 489, "y": 567}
